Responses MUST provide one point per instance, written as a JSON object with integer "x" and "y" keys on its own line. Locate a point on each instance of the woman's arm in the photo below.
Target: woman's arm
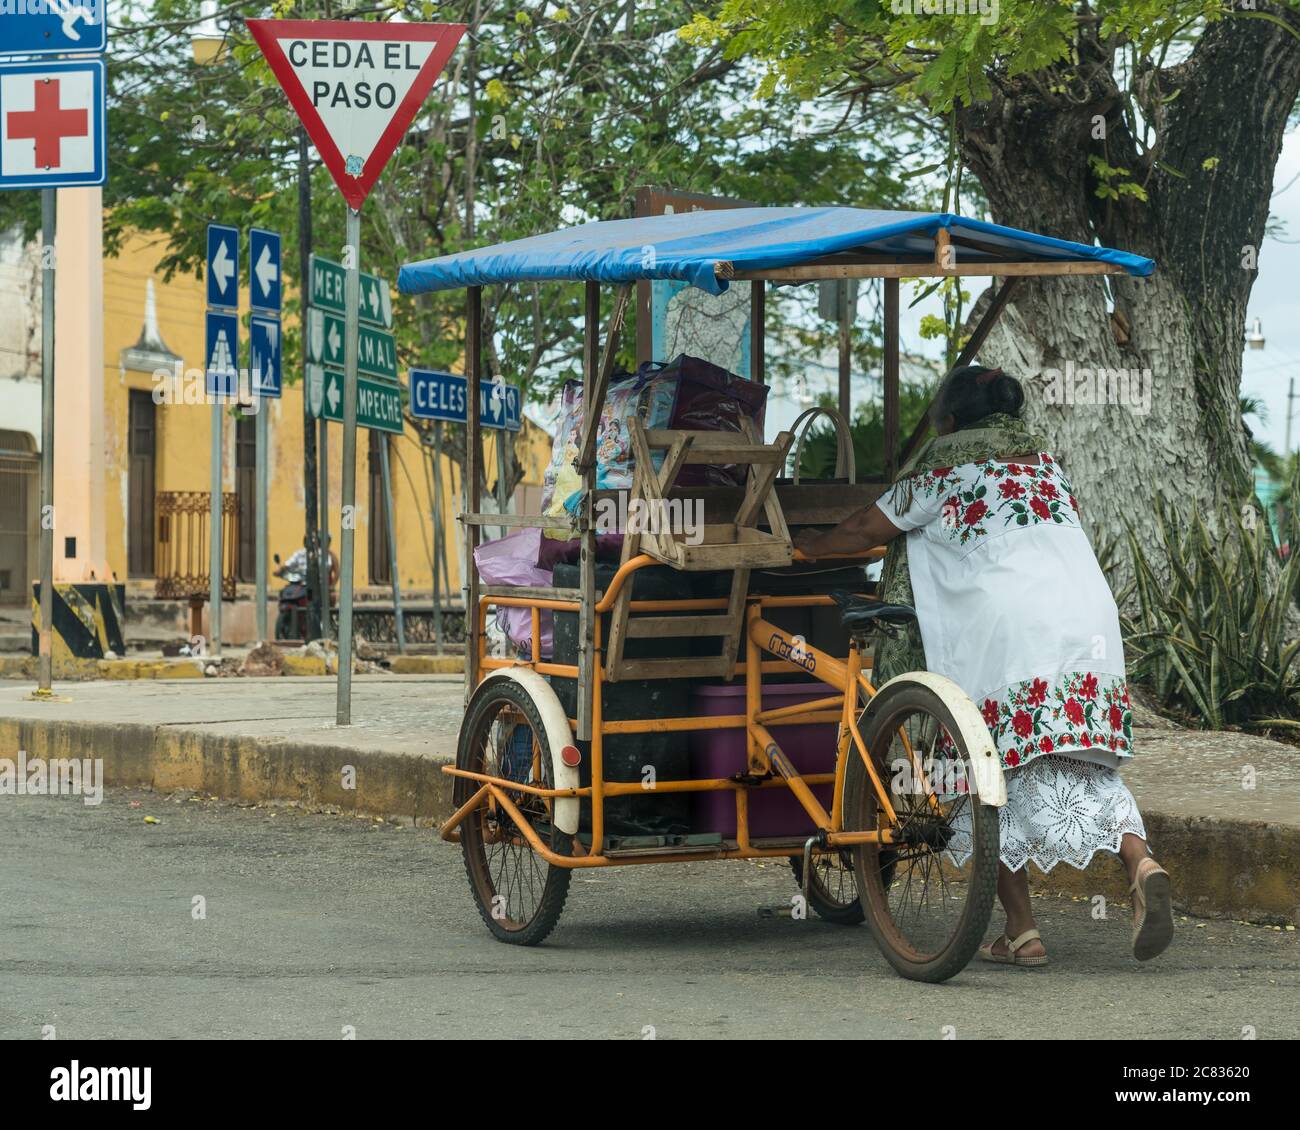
{"x": 864, "y": 529}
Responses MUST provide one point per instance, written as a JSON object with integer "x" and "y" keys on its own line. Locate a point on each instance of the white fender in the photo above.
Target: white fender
{"x": 556, "y": 724}
{"x": 986, "y": 765}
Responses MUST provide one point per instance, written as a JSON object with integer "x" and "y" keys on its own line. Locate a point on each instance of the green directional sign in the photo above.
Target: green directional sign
{"x": 376, "y": 350}
{"x": 379, "y": 404}
{"x": 328, "y": 283}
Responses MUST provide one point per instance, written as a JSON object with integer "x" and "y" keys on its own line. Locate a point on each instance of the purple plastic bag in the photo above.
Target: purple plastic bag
{"x": 526, "y": 557}
{"x": 513, "y": 560}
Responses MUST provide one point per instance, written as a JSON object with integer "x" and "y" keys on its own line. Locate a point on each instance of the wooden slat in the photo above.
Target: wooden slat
{"x": 531, "y": 592}
{"x": 694, "y": 667}
{"x": 925, "y": 271}
{"x": 532, "y": 521}
{"x": 666, "y": 437}
{"x": 674, "y": 627}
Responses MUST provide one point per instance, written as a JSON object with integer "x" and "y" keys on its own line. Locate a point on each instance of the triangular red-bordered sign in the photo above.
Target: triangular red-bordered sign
{"x": 367, "y": 82}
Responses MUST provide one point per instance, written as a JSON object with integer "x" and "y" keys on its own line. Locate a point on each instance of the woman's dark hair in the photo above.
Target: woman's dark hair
{"x": 972, "y": 392}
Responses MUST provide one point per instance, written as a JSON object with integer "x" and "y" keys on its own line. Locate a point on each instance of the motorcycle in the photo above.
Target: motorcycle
{"x": 291, "y": 619}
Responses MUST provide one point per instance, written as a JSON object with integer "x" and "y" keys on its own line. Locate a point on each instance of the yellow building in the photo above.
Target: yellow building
{"x": 131, "y": 460}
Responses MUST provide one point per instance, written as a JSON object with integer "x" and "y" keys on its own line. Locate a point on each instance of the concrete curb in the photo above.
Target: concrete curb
{"x": 235, "y": 767}
{"x": 24, "y": 667}
{"x": 1232, "y": 868}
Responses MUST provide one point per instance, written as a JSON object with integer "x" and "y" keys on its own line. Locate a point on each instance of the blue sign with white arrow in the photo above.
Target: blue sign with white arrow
{"x": 264, "y": 270}
{"x": 223, "y": 266}
{"x": 221, "y": 366}
{"x": 53, "y": 27}
{"x": 442, "y": 396}
{"x": 264, "y": 350}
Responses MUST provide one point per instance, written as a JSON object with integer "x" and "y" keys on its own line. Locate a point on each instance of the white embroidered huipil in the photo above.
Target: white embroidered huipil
{"x": 1014, "y": 608}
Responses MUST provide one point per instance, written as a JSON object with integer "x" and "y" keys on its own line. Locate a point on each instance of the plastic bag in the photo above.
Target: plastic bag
{"x": 514, "y": 560}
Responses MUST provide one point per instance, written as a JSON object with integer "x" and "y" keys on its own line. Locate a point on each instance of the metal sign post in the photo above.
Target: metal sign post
{"x": 263, "y": 490}
{"x": 214, "y": 535}
{"x": 52, "y": 135}
{"x": 222, "y": 381}
{"x": 45, "y": 662}
{"x": 264, "y": 289}
{"x": 391, "y": 523}
{"x": 343, "y": 703}
{"x": 367, "y": 82}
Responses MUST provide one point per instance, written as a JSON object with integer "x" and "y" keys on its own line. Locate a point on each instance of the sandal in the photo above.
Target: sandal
{"x": 1153, "y": 912}
{"x": 1013, "y": 944}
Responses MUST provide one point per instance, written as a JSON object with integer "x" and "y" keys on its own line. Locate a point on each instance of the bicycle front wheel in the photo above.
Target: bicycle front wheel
{"x": 927, "y": 896}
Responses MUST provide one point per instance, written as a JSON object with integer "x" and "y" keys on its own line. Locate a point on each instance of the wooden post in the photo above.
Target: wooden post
{"x": 892, "y": 460}
{"x": 757, "y": 330}
{"x": 473, "y": 460}
{"x": 967, "y": 354}
{"x": 592, "y": 404}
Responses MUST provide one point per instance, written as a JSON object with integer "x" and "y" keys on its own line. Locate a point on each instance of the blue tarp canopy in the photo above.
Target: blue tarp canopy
{"x": 689, "y": 245}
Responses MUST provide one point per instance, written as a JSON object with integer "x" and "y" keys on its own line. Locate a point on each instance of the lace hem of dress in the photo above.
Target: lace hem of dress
{"x": 1058, "y": 810}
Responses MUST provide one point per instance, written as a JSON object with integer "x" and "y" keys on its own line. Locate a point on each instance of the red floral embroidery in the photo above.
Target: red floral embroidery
{"x": 1037, "y": 716}
{"x": 1025, "y": 496}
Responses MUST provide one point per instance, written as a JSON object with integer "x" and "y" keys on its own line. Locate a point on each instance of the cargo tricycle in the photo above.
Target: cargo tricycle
{"x": 884, "y": 798}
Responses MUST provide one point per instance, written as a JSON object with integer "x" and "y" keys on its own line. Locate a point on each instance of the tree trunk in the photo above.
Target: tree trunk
{"x": 1181, "y": 434}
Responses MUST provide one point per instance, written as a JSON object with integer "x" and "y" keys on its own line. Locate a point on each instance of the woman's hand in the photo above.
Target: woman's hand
{"x": 808, "y": 542}
{"x": 861, "y": 531}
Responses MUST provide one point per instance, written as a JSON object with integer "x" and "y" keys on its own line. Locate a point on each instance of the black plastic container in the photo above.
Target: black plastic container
{"x": 819, "y": 626}
{"x": 627, "y": 756}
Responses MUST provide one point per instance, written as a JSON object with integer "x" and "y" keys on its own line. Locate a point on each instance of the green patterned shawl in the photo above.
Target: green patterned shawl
{"x": 994, "y": 435}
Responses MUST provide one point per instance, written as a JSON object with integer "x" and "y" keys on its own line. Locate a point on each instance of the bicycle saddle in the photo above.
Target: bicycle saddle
{"x": 860, "y": 613}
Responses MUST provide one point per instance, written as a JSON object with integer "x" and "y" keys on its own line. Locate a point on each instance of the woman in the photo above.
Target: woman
{"x": 1013, "y": 607}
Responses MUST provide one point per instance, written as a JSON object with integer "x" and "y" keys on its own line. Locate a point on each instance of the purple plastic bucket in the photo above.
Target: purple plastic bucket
{"x": 774, "y": 811}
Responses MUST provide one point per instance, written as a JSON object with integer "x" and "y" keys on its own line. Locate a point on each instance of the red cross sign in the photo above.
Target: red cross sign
{"x": 51, "y": 124}
{"x": 48, "y": 124}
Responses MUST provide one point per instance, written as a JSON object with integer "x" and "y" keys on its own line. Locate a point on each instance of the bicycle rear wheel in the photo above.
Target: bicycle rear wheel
{"x": 929, "y": 895}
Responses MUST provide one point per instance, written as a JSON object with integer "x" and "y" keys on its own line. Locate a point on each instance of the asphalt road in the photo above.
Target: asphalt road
{"x": 315, "y": 923}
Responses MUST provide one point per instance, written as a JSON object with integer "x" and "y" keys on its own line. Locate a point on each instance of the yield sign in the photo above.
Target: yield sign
{"x": 356, "y": 86}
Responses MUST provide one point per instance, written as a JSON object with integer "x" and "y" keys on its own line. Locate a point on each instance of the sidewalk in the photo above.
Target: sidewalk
{"x": 1221, "y": 809}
